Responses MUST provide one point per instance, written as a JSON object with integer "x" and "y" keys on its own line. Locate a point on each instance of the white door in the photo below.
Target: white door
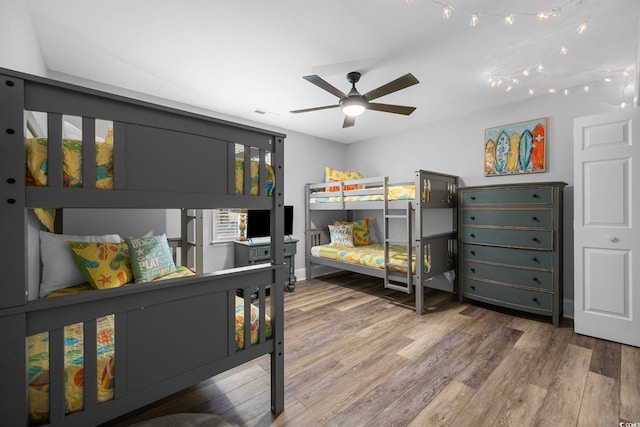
{"x": 607, "y": 293}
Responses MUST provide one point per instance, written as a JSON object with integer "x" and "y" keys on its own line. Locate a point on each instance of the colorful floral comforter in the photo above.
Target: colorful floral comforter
{"x": 38, "y": 355}
{"x": 371, "y": 255}
{"x": 397, "y": 192}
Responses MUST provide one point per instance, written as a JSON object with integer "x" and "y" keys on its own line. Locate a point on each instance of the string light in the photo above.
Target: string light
{"x": 563, "y": 50}
{"x": 509, "y": 19}
{"x": 582, "y": 28}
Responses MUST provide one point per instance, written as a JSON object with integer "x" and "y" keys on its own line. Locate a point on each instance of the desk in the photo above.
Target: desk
{"x": 258, "y": 251}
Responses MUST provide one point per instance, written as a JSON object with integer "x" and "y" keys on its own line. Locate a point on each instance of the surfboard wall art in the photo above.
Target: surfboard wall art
{"x": 516, "y": 148}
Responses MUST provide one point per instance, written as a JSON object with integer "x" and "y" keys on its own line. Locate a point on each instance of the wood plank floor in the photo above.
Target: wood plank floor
{"x": 357, "y": 355}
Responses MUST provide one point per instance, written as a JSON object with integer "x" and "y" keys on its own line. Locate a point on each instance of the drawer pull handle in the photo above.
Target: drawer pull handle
{"x": 473, "y": 218}
{"x": 473, "y": 288}
{"x": 535, "y": 196}
{"x": 473, "y": 236}
{"x": 535, "y": 218}
{"x": 473, "y": 197}
{"x": 473, "y": 252}
{"x": 535, "y": 239}
{"x": 473, "y": 270}
{"x": 535, "y": 259}
{"x": 535, "y": 279}
{"x": 536, "y": 301}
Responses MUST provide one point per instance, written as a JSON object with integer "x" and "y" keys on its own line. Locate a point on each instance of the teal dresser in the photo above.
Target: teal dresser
{"x": 510, "y": 239}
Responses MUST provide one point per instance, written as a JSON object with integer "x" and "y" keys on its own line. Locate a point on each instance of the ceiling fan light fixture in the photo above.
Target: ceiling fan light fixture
{"x": 352, "y": 107}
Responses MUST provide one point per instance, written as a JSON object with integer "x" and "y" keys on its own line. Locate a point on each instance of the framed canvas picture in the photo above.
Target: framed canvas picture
{"x": 516, "y": 148}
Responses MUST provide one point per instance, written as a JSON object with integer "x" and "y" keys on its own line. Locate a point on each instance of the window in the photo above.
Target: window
{"x": 226, "y": 224}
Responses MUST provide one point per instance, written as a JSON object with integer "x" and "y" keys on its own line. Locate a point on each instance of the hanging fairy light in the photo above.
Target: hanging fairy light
{"x": 563, "y": 50}
{"x": 582, "y": 28}
{"x": 508, "y": 19}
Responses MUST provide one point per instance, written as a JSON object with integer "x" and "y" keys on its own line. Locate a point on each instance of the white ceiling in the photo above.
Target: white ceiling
{"x": 235, "y": 57}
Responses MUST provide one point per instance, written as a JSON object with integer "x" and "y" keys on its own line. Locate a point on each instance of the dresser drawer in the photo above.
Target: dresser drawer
{"x": 530, "y": 239}
{"x": 508, "y": 275}
{"x": 507, "y": 296}
{"x": 507, "y": 217}
{"x": 260, "y": 253}
{"x": 508, "y": 196}
{"x": 508, "y": 256}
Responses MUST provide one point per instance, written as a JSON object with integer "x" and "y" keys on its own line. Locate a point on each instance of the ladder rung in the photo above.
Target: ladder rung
{"x": 400, "y": 288}
{"x": 395, "y": 241}
{"x": 389, "y": 264}
{"x": 397, "y": 216}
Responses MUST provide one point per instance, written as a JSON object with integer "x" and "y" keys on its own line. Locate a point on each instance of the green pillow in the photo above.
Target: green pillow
{"x": 150, "y": 257}
{"x": 104, "y": 265}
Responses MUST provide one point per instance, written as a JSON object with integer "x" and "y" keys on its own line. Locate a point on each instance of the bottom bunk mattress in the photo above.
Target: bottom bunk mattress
{"x": 371, "y": 255}
{"x": 38, "y": 359}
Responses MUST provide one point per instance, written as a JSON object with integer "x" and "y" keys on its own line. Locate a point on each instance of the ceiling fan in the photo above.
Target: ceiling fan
{"x": 353, "y": 104}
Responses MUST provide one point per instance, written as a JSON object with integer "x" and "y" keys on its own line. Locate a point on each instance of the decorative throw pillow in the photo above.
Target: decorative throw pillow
{"x": 104, "y": 265}
{"x": 334, "y": 175}
{"x": 341, "y": 235}
{"x": 150, "y": 257}
{"x": 59, "y": 270}
{"x": 361, "y": 234}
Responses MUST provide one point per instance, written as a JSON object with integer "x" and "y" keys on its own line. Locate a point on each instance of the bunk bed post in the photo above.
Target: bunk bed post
{"x": 13, "y": 387}
{"x": 417, "y": 241}
{"x": 308, "y": 238}
{"x": 277, "y": 290}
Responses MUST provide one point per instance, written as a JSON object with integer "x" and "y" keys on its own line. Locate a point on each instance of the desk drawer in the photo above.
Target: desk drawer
{"x": 289, "y": 249}
{"x": 508, "y": 275}
{"x": 530, "y": 239}
{"x": 508, "y": 217}
{"x": 508, "y": 296}
{"x": 508, "y": 256}
{"x": 508, "y": 196}
{"x": 260, "y": 252}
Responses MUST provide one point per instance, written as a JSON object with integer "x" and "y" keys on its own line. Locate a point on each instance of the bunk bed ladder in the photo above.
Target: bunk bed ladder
{"x": 192, "y": 250}
{"x": 395, "y": 279}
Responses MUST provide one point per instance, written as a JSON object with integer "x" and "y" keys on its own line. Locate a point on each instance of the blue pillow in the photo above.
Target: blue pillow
{"x": 150, "y": 257}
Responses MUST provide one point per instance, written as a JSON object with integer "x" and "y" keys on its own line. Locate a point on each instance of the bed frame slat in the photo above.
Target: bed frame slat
{"x": 90, "y": 364}
{"x": 88, "y": 152}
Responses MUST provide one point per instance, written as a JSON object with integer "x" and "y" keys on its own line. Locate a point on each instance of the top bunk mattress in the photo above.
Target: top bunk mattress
{"x": 395, "y": 193}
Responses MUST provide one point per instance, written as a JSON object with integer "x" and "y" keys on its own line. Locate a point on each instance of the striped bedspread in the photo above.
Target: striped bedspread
{"x": 399, "y": 192}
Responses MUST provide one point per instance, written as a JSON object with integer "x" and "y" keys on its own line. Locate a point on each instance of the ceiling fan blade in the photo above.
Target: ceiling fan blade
{"x": 388, "y": 108}
{"x": 314, "y": 109}
{"x": 349, "y": 121}
{"x": 399, "y": 83}
{"x": 318, "y": 81}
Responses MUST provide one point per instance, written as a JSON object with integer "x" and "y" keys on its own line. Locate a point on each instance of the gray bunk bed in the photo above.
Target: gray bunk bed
{"x": 433, "y": 254}
{"x": 169, "y": 334}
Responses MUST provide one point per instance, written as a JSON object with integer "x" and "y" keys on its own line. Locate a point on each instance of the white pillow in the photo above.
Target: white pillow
{"x": 341, "y": 235}
{"x": 59, "y": 270}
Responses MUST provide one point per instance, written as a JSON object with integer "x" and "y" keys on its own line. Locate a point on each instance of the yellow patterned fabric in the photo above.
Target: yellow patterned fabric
{"x": 255, "y": 178}
{"x": 38, "y": 351}
{"x": 396, "y": 192}
{"x": 37, "y": 168}
{"x": 371, "y": 255}
{"x": 104, "y": 265}
{"x": 255, "y": 323}
{"x": 361, "y": 235}
{"x": 334, "y": 175}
